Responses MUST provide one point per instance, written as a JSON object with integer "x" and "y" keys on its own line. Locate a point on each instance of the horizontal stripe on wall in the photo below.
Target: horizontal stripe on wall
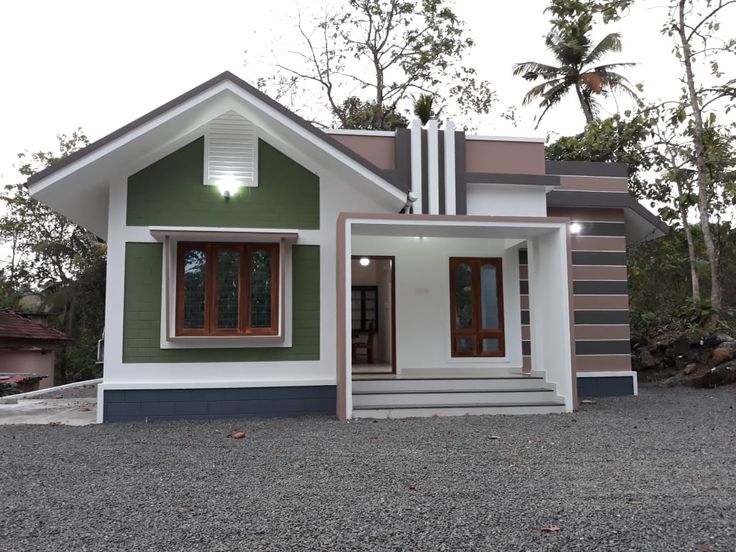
{"x": 587, "y": 215}
{"x": 602, "y": 363}
{"x": 603, "y": 272}
{"x": 620, "y": 386}
{"x": 599, "y": 258}
{"x": 600, "y": 287}
{"x": 593, "y": 184}
{"x": 523, "y": 257}
{"x": 602, "y": 229}
{"x": 601, "y": 331}
{"x": 587, "y": 272}
{"x": 602, "y": 347}
{"x": 601, "y": 317}
{"x": 526, "y": 348}
{"x": 600, "y": 302}
{"x": 598, "y": 243}
{"x": 524, "y": 287}
{"x": 525, "y": 317}
{"x": 598, "y": 332}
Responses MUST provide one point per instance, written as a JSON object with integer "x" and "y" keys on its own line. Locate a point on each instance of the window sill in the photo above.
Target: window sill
{"x": 224, "y": 342}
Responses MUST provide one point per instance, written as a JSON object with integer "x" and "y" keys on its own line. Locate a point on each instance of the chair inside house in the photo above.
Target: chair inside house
{"x": 363, "y": 345}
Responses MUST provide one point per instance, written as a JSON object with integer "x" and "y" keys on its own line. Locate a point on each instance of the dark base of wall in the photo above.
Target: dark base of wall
{"x": 613, "y": 386}
{"x": 250, "y": 402}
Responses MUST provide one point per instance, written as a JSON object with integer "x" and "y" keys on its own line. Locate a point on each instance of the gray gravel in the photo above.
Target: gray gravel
{"x": 655, "y": 472}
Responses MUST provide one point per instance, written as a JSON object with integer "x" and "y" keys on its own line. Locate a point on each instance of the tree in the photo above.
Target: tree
{"x": 578, "y": 62}
{"x": 54, "y": 258}
{"x": 370, "y": 55}
{"x": 693, "y": 24}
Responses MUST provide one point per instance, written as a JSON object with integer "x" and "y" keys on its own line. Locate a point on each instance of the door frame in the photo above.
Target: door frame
{"x": 391, "y": 258}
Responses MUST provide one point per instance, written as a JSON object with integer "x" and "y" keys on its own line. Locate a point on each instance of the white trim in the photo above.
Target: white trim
{"x": 350, "y": 132}
{"x": 612, "y": 374}
{"x": 31, "y": 394}
{"x": 433, "y": 168}
{"x": 212, "y": 384}
{"x": 450, "y": 168}
{"x": 485, "y": 138}
{"x": 416, "y": 165}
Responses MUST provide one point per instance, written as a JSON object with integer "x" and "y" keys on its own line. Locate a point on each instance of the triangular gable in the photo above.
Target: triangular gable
{"x": 104, "y": 147}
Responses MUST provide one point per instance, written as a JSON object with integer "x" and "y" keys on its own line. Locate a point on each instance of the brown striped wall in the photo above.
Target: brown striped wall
{"x": 600, "y": 292}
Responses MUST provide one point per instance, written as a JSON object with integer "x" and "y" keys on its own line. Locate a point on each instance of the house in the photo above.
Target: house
{"x": 27, "y": 350}
{"x": 254, "y": 258}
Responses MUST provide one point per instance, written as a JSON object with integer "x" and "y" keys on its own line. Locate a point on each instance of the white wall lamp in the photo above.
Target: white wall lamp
{"x": 227, "y": 188}
{"x": 365, "y": 261}
{"x": 575, "y": 227}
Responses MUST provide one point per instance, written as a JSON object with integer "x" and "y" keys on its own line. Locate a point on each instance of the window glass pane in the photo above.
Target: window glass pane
{"x": 489, "y": 296}
{"x": 228, "y": 277}
{"x": 464, "y": 345}
{"x": 260, "y": 289}
{"x": 491, "y": 346}
{"x": 195, "y": 264}
{"x": 463, "y": 296}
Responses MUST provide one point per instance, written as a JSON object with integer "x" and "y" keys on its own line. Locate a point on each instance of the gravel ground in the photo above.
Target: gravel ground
{"x": 649, "y": 473}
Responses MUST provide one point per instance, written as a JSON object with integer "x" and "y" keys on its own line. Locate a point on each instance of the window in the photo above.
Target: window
{"x": 227, "y": 289}
{"x": 365, "y": 308}
{"x": 476, "y": 304}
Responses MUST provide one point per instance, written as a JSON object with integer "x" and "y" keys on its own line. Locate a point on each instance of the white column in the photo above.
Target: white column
{"x": 549, "y": 311}
{"x": 449, "y": 168}
{"x": 416, "y": 164}
{"x": 433, "y": 167}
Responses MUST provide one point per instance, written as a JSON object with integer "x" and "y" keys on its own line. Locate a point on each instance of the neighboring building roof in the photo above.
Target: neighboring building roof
{"x": 14, "y": 326}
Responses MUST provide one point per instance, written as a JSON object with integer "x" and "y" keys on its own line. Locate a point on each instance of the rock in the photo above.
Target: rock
{"x": 716, "y": 339}
{"x": 723, "y": 353}
{"x": 681, "y": 346}
{"x": 722, "y": 374}
{"x": 681, "y": 362}
{"x": 690, "y": 368}
{"x": 646, "y": 359}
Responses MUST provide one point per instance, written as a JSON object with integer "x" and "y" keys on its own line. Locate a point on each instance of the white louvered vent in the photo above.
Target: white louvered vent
{"x": 231, "y": 151}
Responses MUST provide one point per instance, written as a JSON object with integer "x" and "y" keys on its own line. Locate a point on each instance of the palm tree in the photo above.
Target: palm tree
{"x": 578, "y": 70}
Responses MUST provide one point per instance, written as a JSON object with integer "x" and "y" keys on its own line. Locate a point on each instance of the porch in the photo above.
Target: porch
{"x": 450, "y": 355}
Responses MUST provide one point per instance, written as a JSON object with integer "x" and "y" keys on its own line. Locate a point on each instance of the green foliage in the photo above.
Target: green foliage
{"x": 358, "y": 114}
{"x": 578, "y": 64}
{"x": 615, "y": 139}
{"x": 56, "y": 260}
{"x": 424, "y": 108}
{"x": 386, "y": 50}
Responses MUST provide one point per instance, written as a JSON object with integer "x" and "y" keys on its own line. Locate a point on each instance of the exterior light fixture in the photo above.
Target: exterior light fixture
{"x": 575, "y": 227}
{"x": 227, "y": 188}
{"x": 365, "y": 261}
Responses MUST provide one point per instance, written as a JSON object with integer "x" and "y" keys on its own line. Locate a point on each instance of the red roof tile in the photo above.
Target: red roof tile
{"x": 14, "y": 326}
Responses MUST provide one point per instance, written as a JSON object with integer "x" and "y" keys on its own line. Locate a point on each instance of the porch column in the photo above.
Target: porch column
{"x": 550, "y": 315}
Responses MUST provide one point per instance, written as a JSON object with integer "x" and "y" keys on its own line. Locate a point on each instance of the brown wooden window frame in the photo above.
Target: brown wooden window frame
{"x": 211, "y": 250}
{"x": 476, "y": 333}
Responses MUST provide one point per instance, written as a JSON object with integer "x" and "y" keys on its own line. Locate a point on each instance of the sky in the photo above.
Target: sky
{"x": 98, "y": 65}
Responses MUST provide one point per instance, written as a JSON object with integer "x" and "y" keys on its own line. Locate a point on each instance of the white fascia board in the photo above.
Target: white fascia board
{"x": 126, "y": 138}
{"x": 351, "y": 132}
{"x": 533, "y": 139}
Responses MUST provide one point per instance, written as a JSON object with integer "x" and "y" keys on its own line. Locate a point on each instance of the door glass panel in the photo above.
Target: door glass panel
{"x": 489, "y": 296}
{"x": 464, "y": 345}
{"x": 491, "y": 346}
{"x": 260, "y": 289}
{"x": 228, "y": 278}
{"x": 463, "y": 296}
{"x": 195, "y": 267}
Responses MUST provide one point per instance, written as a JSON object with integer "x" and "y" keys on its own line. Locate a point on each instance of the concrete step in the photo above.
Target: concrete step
{"x": 444, "y": 398}
{"x": 477, "y": 410}
{"x": 380, "y": 385}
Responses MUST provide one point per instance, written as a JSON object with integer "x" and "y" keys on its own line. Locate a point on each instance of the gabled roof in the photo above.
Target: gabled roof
{"x": 222, "y": 77}
{"x": 14, "y": 326}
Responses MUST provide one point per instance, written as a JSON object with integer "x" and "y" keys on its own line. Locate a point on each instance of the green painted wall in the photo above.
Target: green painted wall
{"x": 171, "y": 192}
{"x": 142, "y": 312}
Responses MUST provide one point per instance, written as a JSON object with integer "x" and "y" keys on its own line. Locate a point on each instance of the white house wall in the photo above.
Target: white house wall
{"x": 510, "y": 200}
